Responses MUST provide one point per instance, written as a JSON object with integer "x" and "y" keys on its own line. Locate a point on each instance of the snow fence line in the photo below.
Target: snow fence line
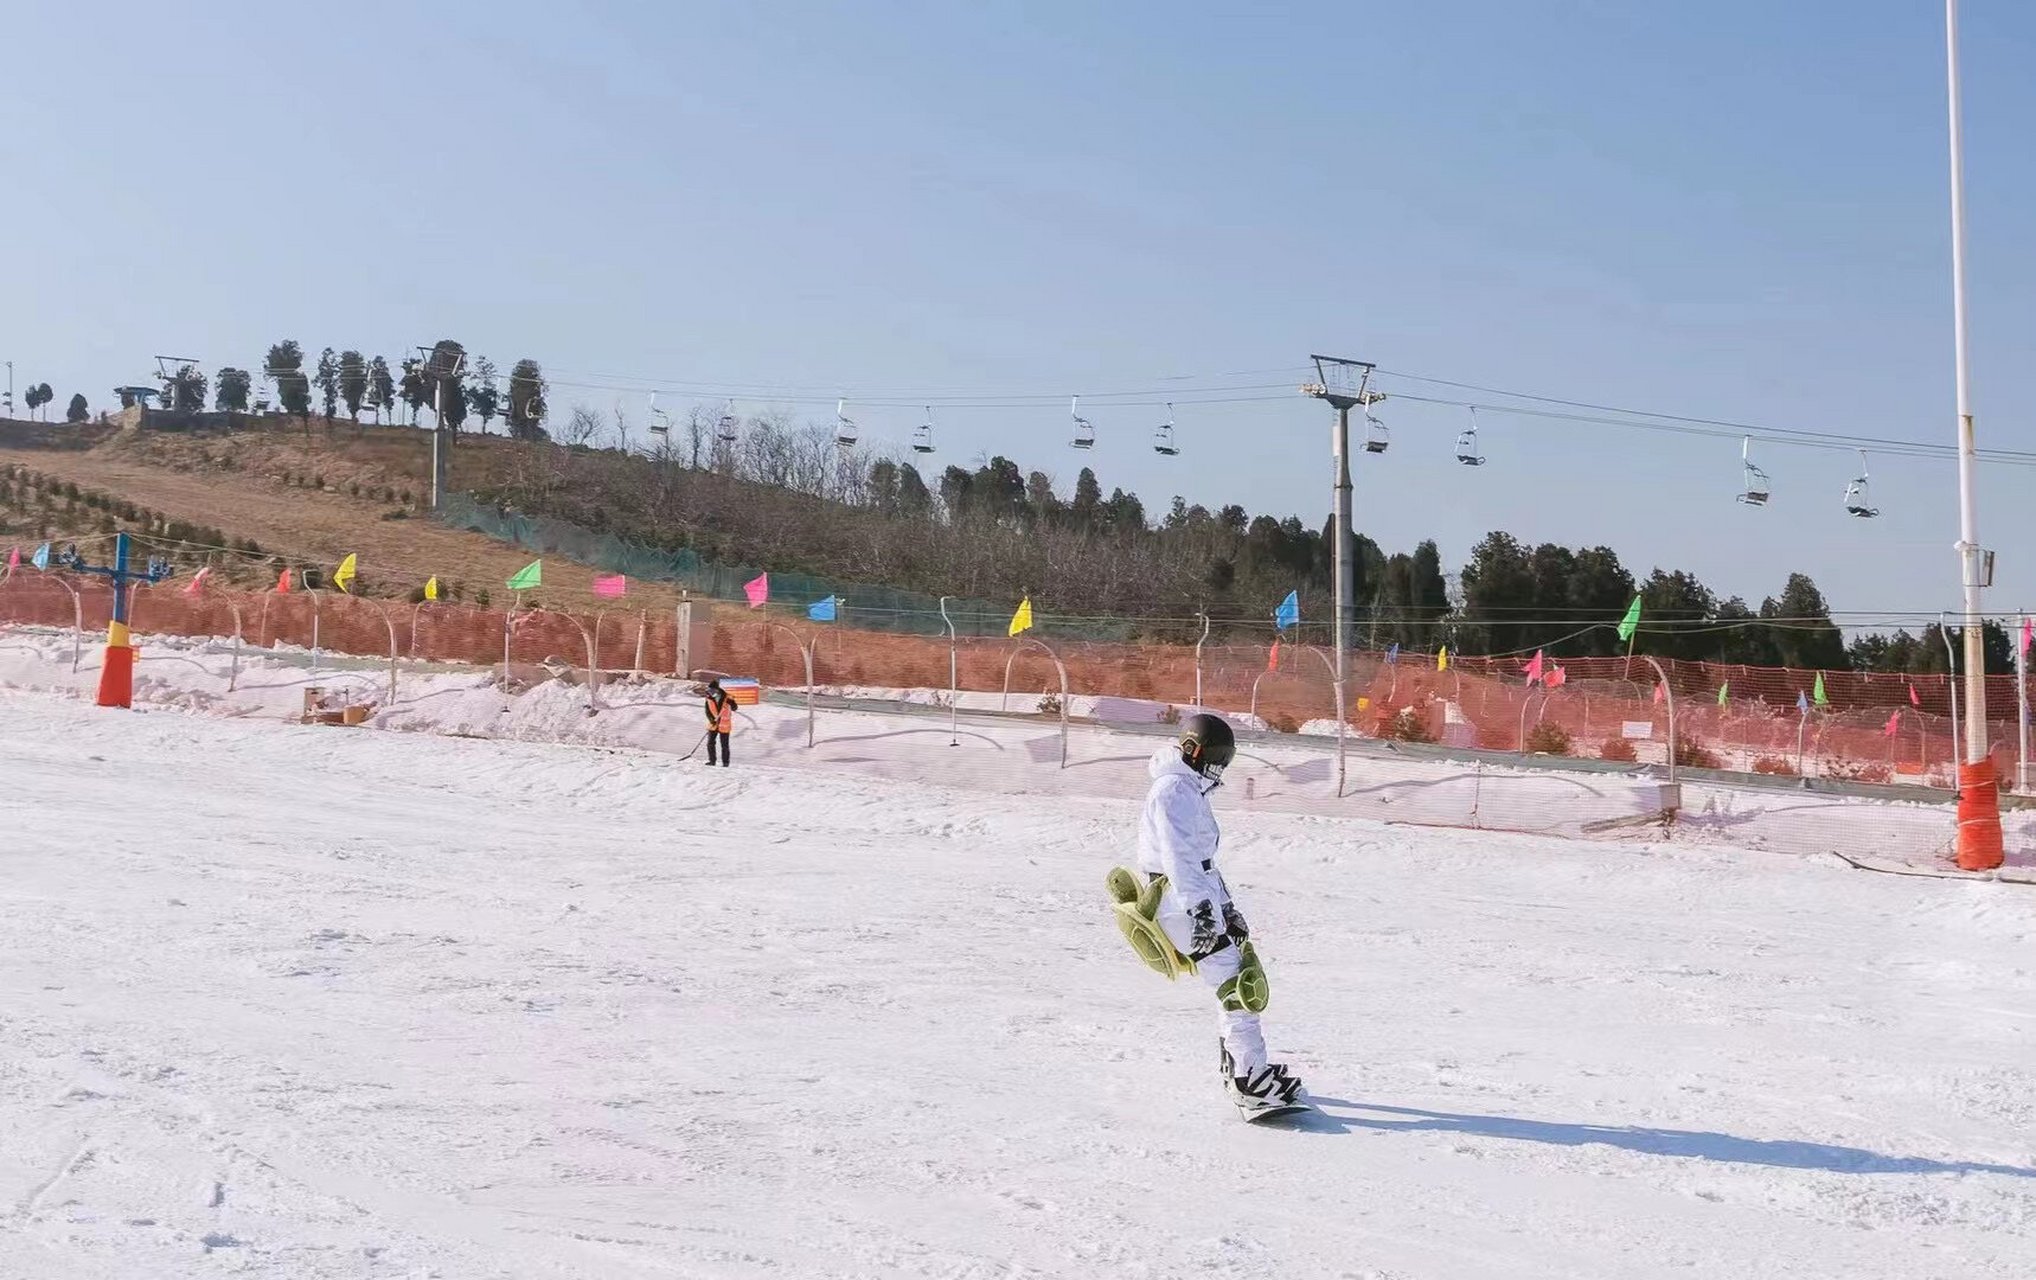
{"x": 1846, "y": 727}
{"x": 918, "y": 735}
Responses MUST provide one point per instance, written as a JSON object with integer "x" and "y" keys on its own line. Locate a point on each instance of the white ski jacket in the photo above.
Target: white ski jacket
{"x": 1177, "y": 838}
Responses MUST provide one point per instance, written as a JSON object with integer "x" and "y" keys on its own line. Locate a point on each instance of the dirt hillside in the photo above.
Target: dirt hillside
{"x": 318, "y": 496}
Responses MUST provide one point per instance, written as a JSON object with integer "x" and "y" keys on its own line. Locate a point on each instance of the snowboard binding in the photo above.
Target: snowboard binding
{"x": 1272, "y": 1090}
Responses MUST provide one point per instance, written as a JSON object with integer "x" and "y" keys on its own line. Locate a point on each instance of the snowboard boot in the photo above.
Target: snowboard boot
{"x": 1270, "y": 1088}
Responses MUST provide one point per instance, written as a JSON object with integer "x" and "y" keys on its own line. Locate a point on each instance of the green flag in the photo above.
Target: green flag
{"x": 1631, "y": 623}
{"x": 1817, "y": 694}
{"x": 528, "y": 577}
{"x": 1724, "y": 693}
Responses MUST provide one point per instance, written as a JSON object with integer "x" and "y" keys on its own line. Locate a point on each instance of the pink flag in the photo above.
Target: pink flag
{"x": 1555, "y": 678}
{"x": 1894, "y": 722}
{"x": 2028, "y": 624}
{"x": 283, "y": 582}
{"x": 610, "y": 586}
{"x": 1915, "y": 699}
{"x": 1272, "y": 660}
{"x": 1534, "y": 668}
{"x": 1660, "y": 692}
{"x": 14, "y": 562}
{"x": 758, "y": 589}
{"x": 197, "y": 582}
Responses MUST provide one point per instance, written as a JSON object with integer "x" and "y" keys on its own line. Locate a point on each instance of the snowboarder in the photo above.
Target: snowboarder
{"x": 720, "y": 721}
{"x": 1180, "y": 917}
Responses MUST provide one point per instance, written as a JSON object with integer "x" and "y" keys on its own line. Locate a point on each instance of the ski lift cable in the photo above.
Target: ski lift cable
{"x": 1847, "y": 444}
{"x": 1661, "y": 424}
{"x": 1223, "y": 394}
{"x": 1645, "y": 420}
{"x": 1219, "y": 388}
{"x": 1729, "y": 426}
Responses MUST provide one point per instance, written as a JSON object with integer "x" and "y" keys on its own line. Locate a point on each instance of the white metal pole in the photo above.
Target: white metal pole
{"x": 953, "y": 667}
{"x": 437, "y": 431}
{"x": 1968, "y": 516}
{"x": 1951, "y": 686}
{"x": 1198, "y": 659}
{"x": 2022, "y": 781}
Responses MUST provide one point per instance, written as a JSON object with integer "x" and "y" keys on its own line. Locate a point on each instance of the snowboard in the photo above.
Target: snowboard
{"x": 1285, "y": 1110}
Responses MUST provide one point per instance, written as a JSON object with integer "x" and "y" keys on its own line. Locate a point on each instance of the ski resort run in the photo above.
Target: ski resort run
{"x": 525, "y": 992}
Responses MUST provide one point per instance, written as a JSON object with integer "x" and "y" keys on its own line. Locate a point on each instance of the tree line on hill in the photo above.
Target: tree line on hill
{"x": 443, "y": 382}
{"x": 769, "y": 493}
{"x": 36, "y": 396}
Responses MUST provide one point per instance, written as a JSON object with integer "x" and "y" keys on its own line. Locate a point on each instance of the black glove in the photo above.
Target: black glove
{"x": 1233, "y": 923}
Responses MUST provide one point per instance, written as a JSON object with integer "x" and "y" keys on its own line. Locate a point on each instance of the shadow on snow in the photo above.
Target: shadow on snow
{"x": 1687, "y": 1143}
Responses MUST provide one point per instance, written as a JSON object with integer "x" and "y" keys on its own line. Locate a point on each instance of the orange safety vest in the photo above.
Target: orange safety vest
{"x": 721, "y": 713}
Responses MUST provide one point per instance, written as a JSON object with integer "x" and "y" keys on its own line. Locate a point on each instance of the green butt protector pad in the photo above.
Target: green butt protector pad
{"x": 1135, "y": 907}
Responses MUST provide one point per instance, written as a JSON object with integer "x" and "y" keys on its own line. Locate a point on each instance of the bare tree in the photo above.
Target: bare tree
{"x": 581, "y": 427}
{"x": 622, "y": 429}
{"x": 702, "y": 426}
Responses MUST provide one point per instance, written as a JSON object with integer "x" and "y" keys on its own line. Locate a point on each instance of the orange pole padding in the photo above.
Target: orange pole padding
{"x": 1979, "y": 816}
{"x": 116, "y": 677}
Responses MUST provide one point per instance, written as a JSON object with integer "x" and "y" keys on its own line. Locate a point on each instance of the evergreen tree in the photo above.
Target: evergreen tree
{"x": 525, "y": 411}
{"x": 353, "y": 383}
{"x": 327, "y": 382}
{"x": 232, "y": 388}
{"x": 285, "y": 367}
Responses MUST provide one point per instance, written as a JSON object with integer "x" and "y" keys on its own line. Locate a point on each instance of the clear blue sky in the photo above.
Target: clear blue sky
{"x": 1734, "y": 210}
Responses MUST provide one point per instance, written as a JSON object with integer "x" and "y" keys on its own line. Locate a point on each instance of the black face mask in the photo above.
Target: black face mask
{"x": 1213, "y": 775}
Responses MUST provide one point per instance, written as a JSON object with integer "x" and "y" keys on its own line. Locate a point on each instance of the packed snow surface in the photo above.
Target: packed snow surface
{"x": 307, "y": 1002}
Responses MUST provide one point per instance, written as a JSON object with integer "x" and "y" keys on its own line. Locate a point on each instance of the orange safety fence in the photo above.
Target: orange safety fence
{"x": 1868, "y": 727}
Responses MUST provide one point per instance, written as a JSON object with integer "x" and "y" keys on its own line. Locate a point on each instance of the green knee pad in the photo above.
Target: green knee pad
{"x": 1248, "y": 991}
{"x": 1134, "y": 907}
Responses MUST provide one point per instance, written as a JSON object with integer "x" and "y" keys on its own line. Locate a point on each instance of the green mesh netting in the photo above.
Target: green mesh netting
{"x": 863, "y": 605}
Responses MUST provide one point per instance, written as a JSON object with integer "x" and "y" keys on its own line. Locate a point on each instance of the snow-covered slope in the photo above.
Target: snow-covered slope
{"x": 298, "y": 1002}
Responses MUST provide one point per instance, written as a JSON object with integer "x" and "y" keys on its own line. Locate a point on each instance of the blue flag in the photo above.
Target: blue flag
{"x": 1802, "y": 702}
{"x": 42, "y": 557}
{"x": 821, "y": 610}
{"x": 1393, "y": 654}
{"x": 1289, "y": 612}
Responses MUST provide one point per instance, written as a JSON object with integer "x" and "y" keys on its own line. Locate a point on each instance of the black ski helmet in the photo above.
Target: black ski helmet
{"x": 1207, "y": 744}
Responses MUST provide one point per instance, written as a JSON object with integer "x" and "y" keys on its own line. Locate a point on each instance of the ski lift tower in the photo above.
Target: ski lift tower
{"x": 1345, "y": 384}
{"x": 167, "y": 370}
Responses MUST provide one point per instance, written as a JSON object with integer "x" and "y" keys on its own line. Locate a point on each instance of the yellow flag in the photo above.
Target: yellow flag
{"x": 1022, "y": 620}
{"x": 431, "y": 589}
{"x": 342, "y": 577}
{"x": 1442, "y": 659}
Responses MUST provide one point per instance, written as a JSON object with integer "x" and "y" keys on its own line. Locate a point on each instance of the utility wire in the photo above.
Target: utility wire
{"x": 1221, "y": 389}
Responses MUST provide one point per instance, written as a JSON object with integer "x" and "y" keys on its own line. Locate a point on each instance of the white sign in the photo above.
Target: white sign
{"x": 1639, "y": 730}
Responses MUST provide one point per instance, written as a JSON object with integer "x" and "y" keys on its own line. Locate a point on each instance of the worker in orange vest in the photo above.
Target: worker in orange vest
{"x": 720, "y": 719}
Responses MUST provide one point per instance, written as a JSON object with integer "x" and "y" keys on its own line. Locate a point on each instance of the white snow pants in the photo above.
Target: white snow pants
{"x": 1239, "y": 1029}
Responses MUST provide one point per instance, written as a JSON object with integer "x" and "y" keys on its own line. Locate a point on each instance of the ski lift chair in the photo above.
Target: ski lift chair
{"x": 1858, "y": 497}
{"x": 844, "y": 426}
{"x": 1467, "y": 444}
{"x": 1376, "y": 437}
{"x": 922, "y": 439}
{"x": 660, "y": 421}
{"x": 1753, "y": 490}
{"x": 1085, "y": 432}
{"x": 1163, "y": 439}
{"x": 727, "y": 427}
